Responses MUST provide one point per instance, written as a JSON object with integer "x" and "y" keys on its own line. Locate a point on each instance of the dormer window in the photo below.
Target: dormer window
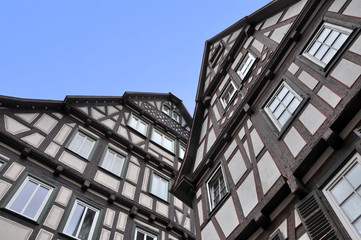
{"x": 166, "y": 109}
{"x": 246, "y": 65}
{"x": 228, "y": 94}
{"x": 171, "y": 113}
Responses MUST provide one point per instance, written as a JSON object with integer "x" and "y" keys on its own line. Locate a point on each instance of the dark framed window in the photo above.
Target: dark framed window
{"x": 216, "y": 187}
{"x": 82, "y": 143}
{"x": 113, "y": 160}
{"x": 171, "y": 113}
{"x": 246, "y": 65}
{"x": 138, "y": 124}
{"x": 228, "y": 93}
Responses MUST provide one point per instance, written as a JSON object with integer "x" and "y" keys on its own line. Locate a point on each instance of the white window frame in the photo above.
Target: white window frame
{"x": 146, "y": 234}
{"x": 166, "y": 109}
{"x": 71, "y": 215}
{"x": 28, "y": 201}
{"x": 318, "y": 39}
{"x": 163, "y": 139}
{"x": 216, "y": 175}
{"x": 116, "y": 155}
{"x": 159, "y": 186}
{"x": 275, "y": 97}
{"x": 135, "y": 123}
{"x": 78, "y": 149}
{"x": 246, "y": 65}
{"x": 228, "y": 93}
{"x": 352, "y": 231}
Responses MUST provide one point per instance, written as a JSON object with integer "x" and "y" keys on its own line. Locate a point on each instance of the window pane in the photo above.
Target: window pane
{"x": 133, "y": 122}
{"x": 357, "y": 225}
{"x": 329, "y": 55}
{"x": 74, "y": 223}
{"x": 293, "y": 105}
{"x": 87, "y": 224}
{"x": 140, "y": 236}
{"x": 279, "y": 111}
{"x": 157, "y": 137}
{"x": 76, "y": 143}
{"x": 117, "y": 166}
{"x": 23, "y": 196}
{"x": 325, "y": 32}
{"x": 321, "y": 52}
{"x": 168, "y": 144}
{"x": 107, "y": 163}
{"x": 274, "y": 104}
{"x": 354, "y": 176}
{"x": 149, "y": 238}
{"x": 341, "y": 191}
{"x": 155, "y": 183}
{"x": 331, "y": 38}
{"x": 288, "y": 99}
{"x": 284, "y": 117}
{"x": 86, "y": 148}
{"x": 314, "y": 48}
{"x": 142, "y": 127}
{"x": 282, "y": 93}
{"x": 340, "y": 40}
{"x": 352, "y": 207}
{"x": 36, "y": 202}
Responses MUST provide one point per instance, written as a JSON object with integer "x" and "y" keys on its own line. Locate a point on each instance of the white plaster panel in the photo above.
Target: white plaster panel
{"x": 122, "y": 132}
{"x": 294, "y": 10}
{"x": 118, "y": 236}
{"x": 200, "y": 212}
{"x": 62, "y": 134}
{"x": 304, "y": 237}
{"x": 272, "y": 20}
{"x": 241, "y": 133}
{"x": 249, "y": 40}
{"x": 230, "y": 149}
{"x": 45, "y": 123}
{"x": 329, "y": 96}
{"x": 187, "y": 224}
{"x": 294, "y": 141}
{"x": 4, "y": 187}
{"x": 53, "y": 219}
{"x": 96, "y": 114}
{"x": 356, "y": 46}
{"x": 256, "y": 142}
{"x": 293, "y": 68}
{"x": 179, "y": 216}
{"x": 112, "y": 110}
{"x": 135, "y": 138}
{"x": 227, "y": 217}
{"x": 84, "y": 109}
{"x": 353, "y": 9}
{"x": 145, "y": 180}
{"x": 268, "y": 171}
{"x": 236, "y": 61}
{"x": 52, "y": 149}
{"x": 337, "y": 5}
{"x": 199, "y": 155}
{"x": 13, "y": 126}
{"x": 162, "y": 208}
{"x": 347, "y": 72}
{"x": 105, "y": 234}
{"x": 109, "y": 123}
{"x": 161, "y": 152}
{"x": 133, "y": 172}
{"x": 216, "y": 112}
{"x": 13, "y": 230}
{"x": 71, "y": 125}
{"x": 101, "y": 108}
{"x": 63, "y": 196}
{"x": 107, "y": 180}
{"x": 58, "y": 115}
{"x": 258, "y": 45}
{"x": 146, "y": 201}
{"x": 211, "y": 139}
{"x": 14, "y": 171}
{"x": 209, "y": 232}
{"x": 34, "y": 139}
{"x": 308, "y": 80}
{"x": 109, "y": 218}
{"x": 247, "y": 194}
{"x": 237, "y": 167}
{"x": 204, "y": 129}
{"x": 72, "y": 161}
{"x": 44, "y": 235}
{"x": 297, "y": 219}
{"x": 283, "y": 229}
{"x": 312, "y": 118}
{"x": 28, "y": 117}
{"x": 279, "y": 33}
{"x": 128, "y": 190}
{"x": 122, "y": 221}
{"x": 178, "y": 203}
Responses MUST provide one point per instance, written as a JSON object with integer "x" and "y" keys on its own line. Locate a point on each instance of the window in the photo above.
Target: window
{"x": 113, "y": 161}
{"x": 328, "y": 40}
{"x": 228, "y": 94}
{"x": 344, "y": 194}
{"x": 30, "y": 198}
{"x": 216, "y": 188}
{"x": 175, "y": 116}
{"x": 140, "y": 234}
{"x": 159, "y": 186}
{"x": 81, "y": 221}
{"x": 171, "y": 113}
{"x": 163, "y": 140}
{"x": 82, "y": 144}
{"x": 166, "y": 109}
{"x": 282, "y": 105}
{"x": 182, "y": 151}
{"x": 246, "y": 65}
{"x": 138, "y": 124}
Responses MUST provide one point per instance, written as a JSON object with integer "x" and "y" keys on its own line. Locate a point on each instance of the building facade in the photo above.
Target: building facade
{"x": 275, "y": 144}
{"x": 93, "y": 168}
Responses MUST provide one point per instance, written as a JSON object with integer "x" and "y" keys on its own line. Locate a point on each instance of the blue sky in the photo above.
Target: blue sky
{"x": 53, "y": 48}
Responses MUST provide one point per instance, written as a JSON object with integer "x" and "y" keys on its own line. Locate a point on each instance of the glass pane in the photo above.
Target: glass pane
{"x": 150, "y": 238}
{"x": 74, "y": 223}
{"x": 163, "y": 189}
{"x": 140, "y": 236}
{"x": 293, "y": 105}
{"x": 107, "y": 162}
{"x": 339, "y": 41}
{"x": 321, "y": 52}
{"x": 341, "y": 191}
{"x": 284, "y": 117}
{"x": 87, "y": 224}
{"x": 155, "y": 183}
{"x": 274, "y": 104}
{"x": 357, "y": 225}
{"x": 86, "y": 148}
{"x": 282, "y": 93}
{"x": 23, "y": 196}
{"x": 168, "y": 144}
{"x": 157, "y": 137}
{"x": 117, "y": 165}
{"x": 279, "y": 111}
{"x": 314, "y": 48}
{"x": 354, "y": 175}
{"x": 77, "y": 141}
{"x": 36, "y": 202}
{"x": 142, "y": 127}
{"x": 133, "y": 122}
{"x": 288, "y": 99}
{"x": 352, "y": 207}
{"x": 331, "y": 38}
{"x": 324, "y": 34}
{"x": 329, "y": 55}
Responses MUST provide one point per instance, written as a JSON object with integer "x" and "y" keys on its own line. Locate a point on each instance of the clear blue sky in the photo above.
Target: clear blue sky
{"x": 53, "y": 48}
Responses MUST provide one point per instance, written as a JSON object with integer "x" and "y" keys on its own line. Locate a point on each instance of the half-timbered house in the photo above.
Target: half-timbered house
{"x": 93, "y": 168}
{"x": 275, "y": 144}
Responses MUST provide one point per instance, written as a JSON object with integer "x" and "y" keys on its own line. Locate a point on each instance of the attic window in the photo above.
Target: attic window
{"x": 216, "y": 55}
{"x": 246, "y": 65}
